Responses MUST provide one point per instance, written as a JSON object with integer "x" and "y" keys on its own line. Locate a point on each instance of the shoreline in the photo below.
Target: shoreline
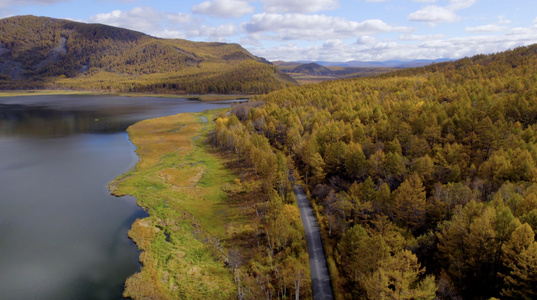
{"x": 207, "y": 97}
{"x": 163, "y": 181}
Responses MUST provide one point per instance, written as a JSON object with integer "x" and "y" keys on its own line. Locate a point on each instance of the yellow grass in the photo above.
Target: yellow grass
{"x": 184, "y": 177}
{"x": 154, "y": 138}
{"x": 180, "y": 184}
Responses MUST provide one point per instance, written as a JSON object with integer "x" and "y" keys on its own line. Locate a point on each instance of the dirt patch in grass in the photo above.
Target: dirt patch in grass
{"x": 183, "y": 176}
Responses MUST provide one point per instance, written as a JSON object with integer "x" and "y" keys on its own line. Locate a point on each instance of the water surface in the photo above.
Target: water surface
{"x": 62, "y": 235}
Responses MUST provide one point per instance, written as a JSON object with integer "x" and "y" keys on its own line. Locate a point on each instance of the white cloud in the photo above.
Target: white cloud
{"x": 491, "y": 27}
{"x": 330, "y": 51}
{"x": 469, "y": 46}
{"x": 315, "y": 27}
{"x": 486, "y": 28}
{"x": 414, "y": 37}
{"x": 298, "y": 6}
{"x": 367, "y": 48}
{"x": 224, "y": 8}
{"x": 366, "y": 40}
{"x": 9, "y": 3}
{"x": 26, "y": 2}
{"x": 503, "y": 21}
{"x": 121, "y": 1}
{"x": 523, "y": 31}
{"x": 434, "y": 14}
{"x": 333, "y": 43}
{"x": 179, "y": 18}
{"x": 143, "y": 19}
{"x": 251, "y": 40}
{"x": 460, "y": 4}
{"x": 164, "y": 25}
{"x": 172, "y": 34}
{"x": 218, "y": 32}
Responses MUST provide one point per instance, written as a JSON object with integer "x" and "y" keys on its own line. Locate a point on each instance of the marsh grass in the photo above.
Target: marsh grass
{"x": 180, "y": 184}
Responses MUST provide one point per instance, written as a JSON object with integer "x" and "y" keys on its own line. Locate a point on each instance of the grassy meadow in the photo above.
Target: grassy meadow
{"x": 181, "y": 185}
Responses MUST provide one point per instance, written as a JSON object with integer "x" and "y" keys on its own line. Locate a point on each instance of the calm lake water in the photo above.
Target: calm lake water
{"x": 62, "y": 235}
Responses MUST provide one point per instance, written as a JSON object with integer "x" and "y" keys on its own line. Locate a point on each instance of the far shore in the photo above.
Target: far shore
{"x": 208, "y": 97}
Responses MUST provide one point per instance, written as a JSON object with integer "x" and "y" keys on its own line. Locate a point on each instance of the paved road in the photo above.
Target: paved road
{"x": 320, "y": 278}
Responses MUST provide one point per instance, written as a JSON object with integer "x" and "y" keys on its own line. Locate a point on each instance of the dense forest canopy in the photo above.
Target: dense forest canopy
{"x": 425, "y": 179}
{"x": 39, "y": 52}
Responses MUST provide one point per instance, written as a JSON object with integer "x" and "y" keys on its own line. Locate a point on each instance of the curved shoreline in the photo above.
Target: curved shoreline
{"x": 165, "y": 147}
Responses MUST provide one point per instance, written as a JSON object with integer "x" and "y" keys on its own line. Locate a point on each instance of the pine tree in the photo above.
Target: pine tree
{"x": 398, "y": 277}
{"x": 360, "y": 256}
{"x": 520, "y": 278}
{"x": 355, "y": 162}
{"x": 410, "y": 202}
{"x": 384, "y": 199}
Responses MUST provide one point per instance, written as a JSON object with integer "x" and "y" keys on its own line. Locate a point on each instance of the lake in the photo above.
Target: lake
{"x": 62, "y": 235}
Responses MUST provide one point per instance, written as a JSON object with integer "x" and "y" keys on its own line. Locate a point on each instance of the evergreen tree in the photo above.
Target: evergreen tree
{"x": 410, "y": 202}
{"x": 520, "y": 261}
{"x": 398, "y": 277}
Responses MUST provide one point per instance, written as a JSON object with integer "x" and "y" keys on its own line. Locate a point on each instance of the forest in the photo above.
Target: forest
{"x": 46, "y": 53}
{"x": 424, "y": 180}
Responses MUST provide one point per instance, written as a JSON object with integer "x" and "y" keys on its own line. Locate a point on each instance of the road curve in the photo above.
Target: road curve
{"x": 320, "y": 278}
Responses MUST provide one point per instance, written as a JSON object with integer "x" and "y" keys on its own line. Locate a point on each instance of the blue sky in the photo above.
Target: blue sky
{"x": 317, "y": 30}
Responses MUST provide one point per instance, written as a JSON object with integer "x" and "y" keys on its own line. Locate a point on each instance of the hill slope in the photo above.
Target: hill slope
{"x": 312, "y": 69}
{"x": 427, "y": 174}
{"x": 39, "y": 52}
{"x": 305, "y": 73}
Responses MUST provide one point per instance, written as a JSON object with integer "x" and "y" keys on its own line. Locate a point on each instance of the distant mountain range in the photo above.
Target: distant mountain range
{"x": 370, "y": 64}
{"x": 313, "y": 72}
{"x": 40, "y": 52}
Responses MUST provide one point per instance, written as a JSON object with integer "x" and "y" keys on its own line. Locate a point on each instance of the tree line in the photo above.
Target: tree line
{"x": 270, "y": 258}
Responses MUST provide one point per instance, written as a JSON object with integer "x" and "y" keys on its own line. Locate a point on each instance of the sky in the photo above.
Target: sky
{"x": 315, "y": 30}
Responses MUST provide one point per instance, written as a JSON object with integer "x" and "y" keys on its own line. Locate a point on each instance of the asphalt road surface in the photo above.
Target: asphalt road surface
{"x": 320, "y": 278}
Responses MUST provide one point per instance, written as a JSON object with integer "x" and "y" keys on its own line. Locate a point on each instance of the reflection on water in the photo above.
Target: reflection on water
{"x": 44, "y": 121}
{"x": 54, "y": 116}
{"x": 62, "y": 235}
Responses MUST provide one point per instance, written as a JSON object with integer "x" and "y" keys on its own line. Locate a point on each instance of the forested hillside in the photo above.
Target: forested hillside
{"x": 425, "y": 179}
{"x": 39, "y": 52}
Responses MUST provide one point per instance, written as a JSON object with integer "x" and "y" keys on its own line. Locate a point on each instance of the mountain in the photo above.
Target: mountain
{"x": 312, "y": 69}
{"x": 40, "y": 52}
{"x": 305, "y": 73}
{"x": 376, "y": 64}
{"x": 281, "y": 63}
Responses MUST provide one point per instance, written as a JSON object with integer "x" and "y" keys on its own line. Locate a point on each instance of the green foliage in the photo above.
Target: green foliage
{"x": 360, "y": 256}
